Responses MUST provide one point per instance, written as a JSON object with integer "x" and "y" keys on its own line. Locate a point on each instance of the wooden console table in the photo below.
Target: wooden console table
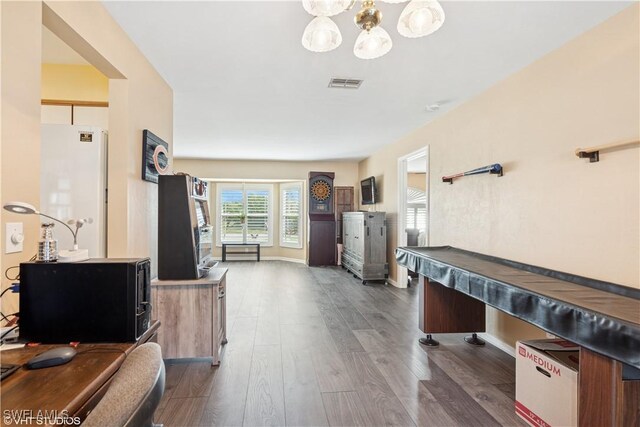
{"x": 193, "y": 314}
{"x": 225, "y": 252}
{"x": 602, "y": 318}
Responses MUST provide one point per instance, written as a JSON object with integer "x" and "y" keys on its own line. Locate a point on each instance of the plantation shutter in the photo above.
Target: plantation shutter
{"x": 290, "y": 224}
{"x": 232, "y": 215}
{"x": 257, "y": 216}
{"x": 416, "y": 216}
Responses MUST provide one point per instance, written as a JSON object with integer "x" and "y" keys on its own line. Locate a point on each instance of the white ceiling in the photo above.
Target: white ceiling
{"x": 245, "y": 88}
{"x": 55, "y": 51}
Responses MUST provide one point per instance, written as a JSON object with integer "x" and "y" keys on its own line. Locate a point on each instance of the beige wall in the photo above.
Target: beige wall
{"x": 21, "y": 34}
{"x": 74, "y": 83}
{"x": 550, "y": 208}
{"x": 346, "y": 174}
{"x": 139, "y": 99}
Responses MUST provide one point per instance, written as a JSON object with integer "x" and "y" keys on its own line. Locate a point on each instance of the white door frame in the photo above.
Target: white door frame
{"x": 402, "y": 275}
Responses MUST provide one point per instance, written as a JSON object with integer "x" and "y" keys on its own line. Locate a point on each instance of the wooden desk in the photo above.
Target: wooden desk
{"x": 602, "y": 318}
{"x": 75, "y": 387}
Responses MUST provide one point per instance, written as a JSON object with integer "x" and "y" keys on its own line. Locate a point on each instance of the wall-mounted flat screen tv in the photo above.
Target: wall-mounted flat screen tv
{"x": 368, "y": 191}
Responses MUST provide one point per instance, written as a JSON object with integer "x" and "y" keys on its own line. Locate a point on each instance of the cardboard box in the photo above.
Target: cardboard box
{"x": 547, "y": 382}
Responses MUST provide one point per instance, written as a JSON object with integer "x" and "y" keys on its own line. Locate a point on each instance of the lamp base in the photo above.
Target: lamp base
{"x": 73, "y": 255}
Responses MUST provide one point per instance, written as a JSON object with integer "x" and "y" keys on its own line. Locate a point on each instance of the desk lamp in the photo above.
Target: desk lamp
{"x": 65, "y": 255}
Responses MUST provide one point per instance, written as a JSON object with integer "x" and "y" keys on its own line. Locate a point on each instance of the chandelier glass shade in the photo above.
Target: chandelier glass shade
{"x": 321, "y": 35}
{"x": 372, "y": 44}
{"x": 419, "y": 18}
{"x": 325, "y": 7}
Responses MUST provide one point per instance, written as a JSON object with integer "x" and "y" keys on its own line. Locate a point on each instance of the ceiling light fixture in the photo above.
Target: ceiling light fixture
{"x": 419, "y": 18}
{"x": 321, "y": 35}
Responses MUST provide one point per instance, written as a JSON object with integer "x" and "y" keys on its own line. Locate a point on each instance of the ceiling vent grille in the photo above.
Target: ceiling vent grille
{"x": 345, "y": 83}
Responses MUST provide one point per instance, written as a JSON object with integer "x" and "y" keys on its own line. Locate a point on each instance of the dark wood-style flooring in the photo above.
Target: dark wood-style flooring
{"x": 314, "y": 347}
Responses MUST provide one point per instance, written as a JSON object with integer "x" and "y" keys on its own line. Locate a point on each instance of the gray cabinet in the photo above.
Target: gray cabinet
{"x": 364, "y": 237}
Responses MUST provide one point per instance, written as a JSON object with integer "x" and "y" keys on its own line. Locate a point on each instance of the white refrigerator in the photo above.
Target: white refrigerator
{"x": 73, "y": 183}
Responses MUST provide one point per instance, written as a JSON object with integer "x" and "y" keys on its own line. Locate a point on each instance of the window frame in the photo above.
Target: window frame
{"x": 284, "y": 187}
{"x": 244, "y": 187}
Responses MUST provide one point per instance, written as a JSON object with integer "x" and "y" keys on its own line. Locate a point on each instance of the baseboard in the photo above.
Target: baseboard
{"x": 282, "y": 258}
{"x": 497, "y": 342}
{"x": 262, "y": 258}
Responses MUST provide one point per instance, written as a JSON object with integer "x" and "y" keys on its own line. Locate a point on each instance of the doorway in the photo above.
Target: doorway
{"x": 413, "y": 205}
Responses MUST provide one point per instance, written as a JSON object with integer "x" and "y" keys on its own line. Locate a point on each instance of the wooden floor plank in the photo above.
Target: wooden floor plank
{"x": 461, "y": 407}
{"x": 304, "y": 405}
{"x": 268, "y": 325}
{"x": 330, "y": 370}
{"x": 174, "y": 372}
{"x": 342, "y": 335}
{"x": 346, "y": 409}
{"x": 480, "y": 359}
{"x": 509, "y": 390}
{"x": 477, "y": 384}
{"x": 378, "y": 399}
{"x": 349, "y": 313}
{"x": 183, "y": 412}
{"x": 265, "y": 400}
{"x": 227, "y": 401}
{"x": 196, "y": 380}
{"x": 287, "y": 324}
{"x": 421, "y": 405}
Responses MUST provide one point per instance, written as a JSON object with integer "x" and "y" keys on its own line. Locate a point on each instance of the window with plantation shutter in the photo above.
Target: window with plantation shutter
{"x": 231, "y": 221}
{"x": 244, "y": 213}
{"x": 416, "y": 209}
{"x": 258, "y": 201}
{"x": 417, "y": 217}
{"x": 291, "y": 215}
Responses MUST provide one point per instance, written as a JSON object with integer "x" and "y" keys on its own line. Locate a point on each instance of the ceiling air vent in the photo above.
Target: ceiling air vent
{"x": 345, "y": 83}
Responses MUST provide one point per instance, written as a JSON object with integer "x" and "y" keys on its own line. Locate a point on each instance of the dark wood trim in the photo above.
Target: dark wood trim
{"x": 74, "y": 103}
{"x": 604, "y": 398}
{"x": 445, "y": 310}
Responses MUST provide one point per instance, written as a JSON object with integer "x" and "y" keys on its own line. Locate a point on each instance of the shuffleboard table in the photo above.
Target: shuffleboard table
{"x": 601, "y": 317}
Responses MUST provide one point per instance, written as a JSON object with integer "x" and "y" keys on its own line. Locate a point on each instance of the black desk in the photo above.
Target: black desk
{"x": 225, "y": 252}
{"x": 603, "y": 318}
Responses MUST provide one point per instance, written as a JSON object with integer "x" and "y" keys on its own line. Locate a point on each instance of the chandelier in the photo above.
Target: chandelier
{"x": 419, "y": 18}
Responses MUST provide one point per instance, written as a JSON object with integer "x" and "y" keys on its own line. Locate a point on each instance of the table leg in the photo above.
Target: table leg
{"x": 604, "y": 398}
{"x": 224, "y": 252}
{"x": 445, "y": 310}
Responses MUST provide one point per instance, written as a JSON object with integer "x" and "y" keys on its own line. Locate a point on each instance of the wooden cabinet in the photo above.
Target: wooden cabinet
{"x": 322, "y": 243}
{"x": 343, "y": 203}
{"x": 193, "y": 316}
{"x": 364, "y": 236}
